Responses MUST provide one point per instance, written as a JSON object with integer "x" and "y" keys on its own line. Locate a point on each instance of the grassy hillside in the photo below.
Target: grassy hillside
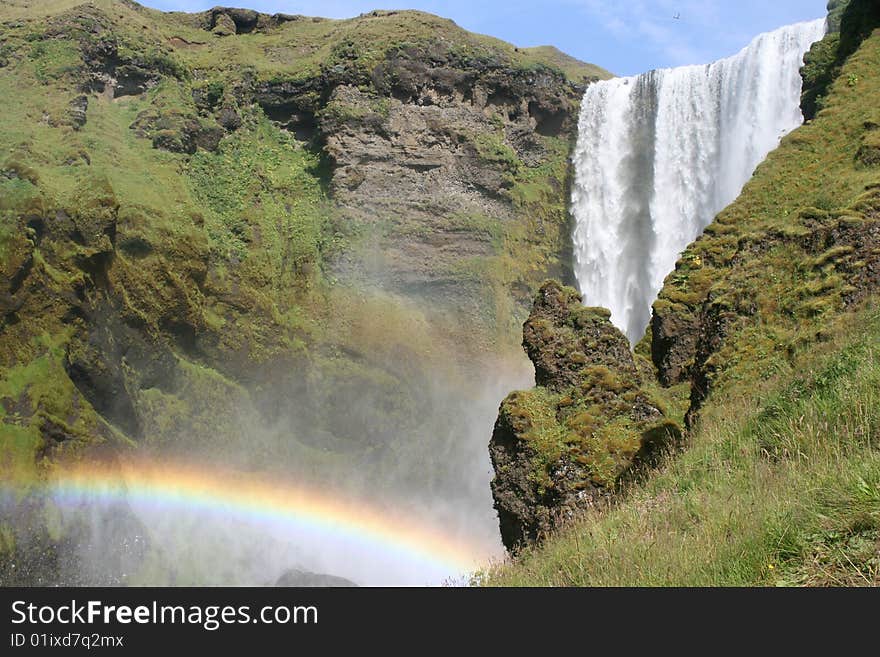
{"x": 300, "y": 45}
{"x": 770, "y": 321}
{"x": 140, "y": 180}
{"x": 779, "y": 485}
{"x": 574, "y": 68}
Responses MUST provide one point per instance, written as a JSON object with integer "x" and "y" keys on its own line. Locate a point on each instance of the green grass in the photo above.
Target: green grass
{"x": 300, "y": 49}
{"x": 780, "y": 485}
{"x": 54, "y": 59}
{"x": 573, "y": 68}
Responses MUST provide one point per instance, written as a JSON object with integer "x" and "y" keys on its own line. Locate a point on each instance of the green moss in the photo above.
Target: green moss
{"x": 54, "y": 59}
{"x": 493, "y": 149}
{"x": 7, "y": 540}
{"x": 599, "y": 376}
{"x": 590, "y": 425}
{"x": 532, "y": 413}
{"x": 261, "y": 179}
{"x": 338, "y": 112}
{"x": 609, "y": 450}
{"x": 19, "y": 452}
{"x": 192, "y": 409}
{"x": 36, "y": 394}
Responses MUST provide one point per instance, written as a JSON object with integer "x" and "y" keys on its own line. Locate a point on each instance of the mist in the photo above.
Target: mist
{"x": 409, "y": 447}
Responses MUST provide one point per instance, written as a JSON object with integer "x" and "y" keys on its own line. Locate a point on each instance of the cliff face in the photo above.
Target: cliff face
{"x": 287, "y": 241}
{"x": 213, "y": 188}
{"x": 565, "y": 444}
{"x": 849, "y": 23}
{"x": 448, "y": 173}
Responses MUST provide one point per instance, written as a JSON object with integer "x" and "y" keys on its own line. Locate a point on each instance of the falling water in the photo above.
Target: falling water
{"x": 660, "y": 154}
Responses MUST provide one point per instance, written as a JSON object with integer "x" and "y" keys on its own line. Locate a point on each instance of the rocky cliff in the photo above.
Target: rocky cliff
{"x": 287, "y": 241}
{"x": 208, "y": 187}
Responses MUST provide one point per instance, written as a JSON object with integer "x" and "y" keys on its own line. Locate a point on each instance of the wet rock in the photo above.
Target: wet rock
{"x": 112, "y": 362}
{"x": 305, "y": 578}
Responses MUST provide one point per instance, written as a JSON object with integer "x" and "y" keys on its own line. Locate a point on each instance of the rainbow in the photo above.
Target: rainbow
{"x": 276, "y": 505}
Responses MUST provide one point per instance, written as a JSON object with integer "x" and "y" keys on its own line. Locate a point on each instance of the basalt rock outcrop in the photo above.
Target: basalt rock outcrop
{"x": 564, "y": 445}
{"x": 442, "y": 161}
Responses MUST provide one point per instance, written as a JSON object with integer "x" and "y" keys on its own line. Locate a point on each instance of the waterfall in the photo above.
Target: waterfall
{"x": 660, "y": 154}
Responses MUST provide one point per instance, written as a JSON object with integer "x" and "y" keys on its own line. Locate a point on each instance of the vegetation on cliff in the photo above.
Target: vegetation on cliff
{"x": 188, "y": 244}
{"x": 849, "y": 23}
{"x": 769, "y": 324}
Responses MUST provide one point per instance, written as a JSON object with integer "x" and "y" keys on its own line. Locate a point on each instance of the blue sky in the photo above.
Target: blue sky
{"x": 624, "y": 36}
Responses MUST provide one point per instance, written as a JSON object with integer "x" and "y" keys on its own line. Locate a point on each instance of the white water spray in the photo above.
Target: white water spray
{"x": 660, "y": 154}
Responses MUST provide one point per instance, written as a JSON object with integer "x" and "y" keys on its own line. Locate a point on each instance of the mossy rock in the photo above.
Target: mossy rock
{"x": 563, "y": 445}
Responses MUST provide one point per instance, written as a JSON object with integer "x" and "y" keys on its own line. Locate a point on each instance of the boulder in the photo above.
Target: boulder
{"x": 563, "y": 446}
{"x": 298, "y": 577}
